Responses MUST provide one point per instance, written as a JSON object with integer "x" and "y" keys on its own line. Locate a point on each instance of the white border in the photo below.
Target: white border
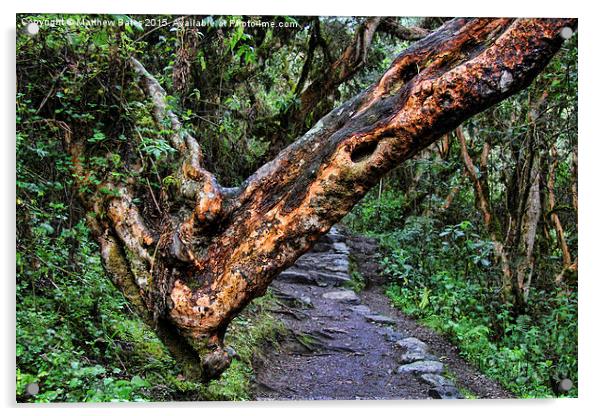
{"x": 589, "y": 183}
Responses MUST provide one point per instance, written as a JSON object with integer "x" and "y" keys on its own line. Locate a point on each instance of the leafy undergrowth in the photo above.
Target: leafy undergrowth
{"x": 78, "y": 340}
{"x": 527, "y": 359}
{"x": 357, "y": 283}
{"x": 443, "y": 276}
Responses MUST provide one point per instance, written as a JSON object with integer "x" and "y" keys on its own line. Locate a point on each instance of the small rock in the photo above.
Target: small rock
{"x": 412, "y": 343}
{"x": 380, "y": 319}
{"x": 436, "y": 380}
{"x": 391, "y": 335}
{"x": 412, "y": 356}
{"x": 421, "y": 367}
{"x": 414, "y": 350}
{"x": 346, "y": 296}
{"x": 232, "y": 352}
{"x": 361, "y": 309}
{"x": 445, "y": 393}
{"x": 305, "y": 301}
{"x": 340, "y": 248}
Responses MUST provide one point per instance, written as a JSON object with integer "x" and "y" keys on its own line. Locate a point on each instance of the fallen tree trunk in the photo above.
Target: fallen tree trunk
{"x": 215, "y": 249}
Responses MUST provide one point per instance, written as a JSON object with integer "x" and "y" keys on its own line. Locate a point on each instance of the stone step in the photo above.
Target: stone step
{"x": 411, "y": 343}
{"x": 330, "y": 278}
{"x": 361, "y": 309}
{"x": 326, "y": 265}
{"x": 341, "y": 248}
{"x": 412, "y": 350}
{"x": 333, "y": 236}
{"x": 336, "y": 262}
{"x": 322, "y": 247}
{"x": 344, "y": 296}
{"x": 295, "y": 275}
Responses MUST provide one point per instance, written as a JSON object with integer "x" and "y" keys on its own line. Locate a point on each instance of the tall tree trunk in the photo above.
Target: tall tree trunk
{"x": 530, "y": 221}
{"x": 562, "y": 244}
{"x": 492, "y": 224}
{"x": 213, "y": 249}
{"x": 569, "y": 267}
{"x": 574, "y": 173}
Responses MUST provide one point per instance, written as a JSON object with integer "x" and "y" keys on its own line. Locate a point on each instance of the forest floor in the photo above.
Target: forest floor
{"x": 344, "y": 344}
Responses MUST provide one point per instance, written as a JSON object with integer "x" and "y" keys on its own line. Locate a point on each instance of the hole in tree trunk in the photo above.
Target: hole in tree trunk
{"x": 363, "y": 151}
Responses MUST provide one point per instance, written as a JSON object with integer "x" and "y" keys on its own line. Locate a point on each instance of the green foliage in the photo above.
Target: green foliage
{"x": 68, "y": 315}
{"x": 78, "y": 340}
{"x": 440, "y": 259}
{"x": 76, "y": 336}
{"x": 450, "y": 290}
{"x": 158, "y": 148}
{"x": 357, "y": 283}
{"x": 376, "y": 214}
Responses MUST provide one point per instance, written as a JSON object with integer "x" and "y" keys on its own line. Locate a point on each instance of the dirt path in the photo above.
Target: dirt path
{"x": 347, "y": 346}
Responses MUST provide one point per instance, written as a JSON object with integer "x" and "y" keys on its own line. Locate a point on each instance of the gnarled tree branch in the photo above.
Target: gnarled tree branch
{"x": 232, "y": 244}
{"x": 467, "y": 66}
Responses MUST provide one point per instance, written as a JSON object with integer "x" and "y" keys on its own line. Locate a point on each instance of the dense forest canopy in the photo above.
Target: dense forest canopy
{"x": 193, "y": 158}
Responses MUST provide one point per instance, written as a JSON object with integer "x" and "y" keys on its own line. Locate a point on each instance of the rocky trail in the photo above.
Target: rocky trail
{"x": 343, "y": 345}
